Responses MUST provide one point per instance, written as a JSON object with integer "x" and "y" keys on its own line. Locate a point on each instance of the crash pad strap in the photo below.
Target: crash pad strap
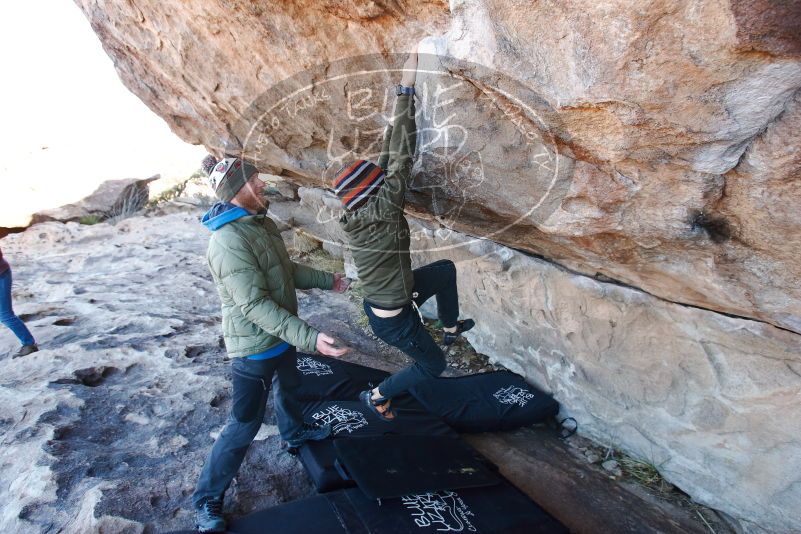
{"x": 397, "y": 465}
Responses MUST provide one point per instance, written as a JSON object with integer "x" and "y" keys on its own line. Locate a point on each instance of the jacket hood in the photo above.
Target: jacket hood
{"x": 221, "y": 214}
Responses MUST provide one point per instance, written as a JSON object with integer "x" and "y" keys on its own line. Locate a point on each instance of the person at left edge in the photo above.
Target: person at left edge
{"x": 7, "y": 315}
{"x": 256, "y": 281}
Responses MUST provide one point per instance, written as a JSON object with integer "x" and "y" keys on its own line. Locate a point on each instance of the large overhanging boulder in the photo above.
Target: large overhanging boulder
{"x": 654, "y": 145}
{"x": 666, "y": 118}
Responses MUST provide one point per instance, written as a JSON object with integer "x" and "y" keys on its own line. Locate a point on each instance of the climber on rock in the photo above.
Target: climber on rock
{"x": 256, "y": 281}
{"x": 378, "y": 236}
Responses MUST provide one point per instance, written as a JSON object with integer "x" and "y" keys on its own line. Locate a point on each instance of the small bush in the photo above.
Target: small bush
{"x": 170, "y": 194}
{"x": 90, "y": 219}
{"x": 134, "y": 200}
{"x": 178, "y": 190}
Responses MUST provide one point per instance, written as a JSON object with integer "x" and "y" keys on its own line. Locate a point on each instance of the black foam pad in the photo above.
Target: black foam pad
{"x": 323, "y": 514}
{"x": 353, "y": 419}
{"x": 498, "y": 509}
{"x": 314, "y": 515}
{"x": 397, "y": 465}
{"x": 485, "y": 402}
{"x": 324, "y": 378}
{"x": 319, "y": 459}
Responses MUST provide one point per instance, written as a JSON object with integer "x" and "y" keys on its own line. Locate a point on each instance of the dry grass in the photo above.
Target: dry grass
{"x": 363, "y": 322}
{"x": 356, "y": 294}
{"x": 319, "y": 259}
{"x": 644, "y": 473}
{"x": 134, "y": 200}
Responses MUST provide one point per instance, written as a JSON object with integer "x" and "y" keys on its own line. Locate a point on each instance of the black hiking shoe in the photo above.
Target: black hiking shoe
{"x": 449, "y": 338}
{"x": 208, "y": 516}
{"x": 25, "y": 350}
{"x": 309, "y": 432}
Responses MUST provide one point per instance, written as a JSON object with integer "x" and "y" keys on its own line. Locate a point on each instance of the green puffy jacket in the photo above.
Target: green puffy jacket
{"x": 256, "y": 281}
{"x": 378, "y": 234}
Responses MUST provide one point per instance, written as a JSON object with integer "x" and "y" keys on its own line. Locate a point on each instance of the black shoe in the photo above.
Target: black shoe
{"x": 25, "y": 350}
{"x": 309, "y": 432}
{"x": 208, "y": 516}
{"x": 449, "y": 338}
{"x": 388, "y": 414}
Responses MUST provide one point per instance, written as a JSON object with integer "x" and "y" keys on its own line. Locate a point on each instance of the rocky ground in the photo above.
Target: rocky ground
{"x": 113, "y": 417}
{"x": 105, "y": 429}
{"x": 630, "y": 169}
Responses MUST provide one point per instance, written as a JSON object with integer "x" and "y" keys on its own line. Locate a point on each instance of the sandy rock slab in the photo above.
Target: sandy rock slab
{"x": 106, "y": 428}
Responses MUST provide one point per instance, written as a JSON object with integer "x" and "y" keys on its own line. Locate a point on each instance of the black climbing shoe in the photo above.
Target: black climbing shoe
{"x": 449, "y": 338}
{"x": 208, "y": 516}
{"x": 25, "y": 350}
{"x": 309, "y": 432}
{"x": 388, "y": 414}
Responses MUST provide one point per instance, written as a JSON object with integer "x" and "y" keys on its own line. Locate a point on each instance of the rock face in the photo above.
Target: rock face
{"x": 654, "y": 145}
{"x": 646, "y": 110}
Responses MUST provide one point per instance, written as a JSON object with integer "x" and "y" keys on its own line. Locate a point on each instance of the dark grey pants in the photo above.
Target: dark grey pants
{"x": 251, "y": 381}
{"x": 406, "y": 332}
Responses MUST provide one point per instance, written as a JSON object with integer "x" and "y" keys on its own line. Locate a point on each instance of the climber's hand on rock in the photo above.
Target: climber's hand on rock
{"x": 410, "y": 69}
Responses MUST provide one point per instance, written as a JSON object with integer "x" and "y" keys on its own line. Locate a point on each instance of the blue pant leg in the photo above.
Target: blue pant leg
{"x": 251, "y": 382}
{"x": 288, "y": 413}
{"x": 7, "y": 315}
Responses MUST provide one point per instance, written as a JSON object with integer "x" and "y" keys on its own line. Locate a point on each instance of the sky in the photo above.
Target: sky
{"x": 68, "y": 122}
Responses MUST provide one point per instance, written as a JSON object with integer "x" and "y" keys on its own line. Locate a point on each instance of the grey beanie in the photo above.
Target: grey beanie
{"x": 227, "y": 176}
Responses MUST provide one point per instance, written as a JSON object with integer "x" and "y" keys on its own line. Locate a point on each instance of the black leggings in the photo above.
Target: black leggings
{"x": 406, "y": 332}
